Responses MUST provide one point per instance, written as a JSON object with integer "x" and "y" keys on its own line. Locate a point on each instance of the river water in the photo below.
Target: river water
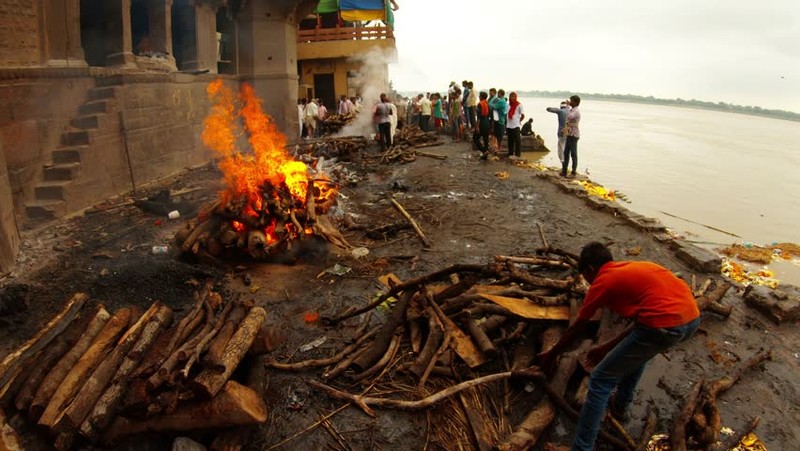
{"x": 733, "y": 172}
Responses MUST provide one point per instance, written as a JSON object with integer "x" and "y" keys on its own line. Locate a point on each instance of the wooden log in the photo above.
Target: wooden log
{"x": 364, "y": 402}
{"x": 492, "y": 323}
{"x": 530, "y": 279}
{"x": 538, "y": 261}
{"x": 677, "y": 436}
{"x": 213, "y": 358}
{"x": 47, "y": 360}
{"x": 525, "y": 352}
{"x": 714, "y": 388}
{"x": 95, "y": 385}
{"x": 209, "y": 382}
{"x": 385, "y": 360}
{"x": 440, "y": 318}
{"x": 202, "y": 345}
{"x": 412, "y": 283}
{"x": 480, "y": 337}
{"x": 177, "y": 335}
{"x": 384, "y": 337}
{"x": 435, "y": 335}
{"x": 538, "y": 420}
{"x": 426, "y": 243}
{"x": 165, "y": 372}
{"x": 109, "y": 403}
{"x": 74, "y": 379}
{"x": 234, "y": 405}
{"x": 710, "y": 300}
{"x": 12, "y": 362}
{"x": 649, "y": 429}
{"x": 57, "y": 374}
{"x": 9, "y": 439}
{"x": 299, "y": 366}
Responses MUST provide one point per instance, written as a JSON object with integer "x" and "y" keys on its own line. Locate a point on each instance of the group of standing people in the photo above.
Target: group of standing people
{"x": 310, "y": 114}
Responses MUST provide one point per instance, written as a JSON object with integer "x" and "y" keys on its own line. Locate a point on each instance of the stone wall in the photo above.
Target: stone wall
{"x": 19, "y": 28}
{"x": 150, "y": 129}
{"x": 9, "y": 236}
{"x": 33, "y": 114}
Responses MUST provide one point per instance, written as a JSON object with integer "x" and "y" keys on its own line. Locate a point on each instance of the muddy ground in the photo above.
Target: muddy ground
{"x": 470, "y": 215}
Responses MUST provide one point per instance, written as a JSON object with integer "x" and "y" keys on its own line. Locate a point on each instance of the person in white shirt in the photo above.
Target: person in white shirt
{"x": 311, "y": 116}
{"x": 516, "y": 114}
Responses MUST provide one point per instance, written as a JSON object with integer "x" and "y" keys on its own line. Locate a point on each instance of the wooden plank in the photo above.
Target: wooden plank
{"x": 463, "y": 345}
{"x": 528, "y": 309}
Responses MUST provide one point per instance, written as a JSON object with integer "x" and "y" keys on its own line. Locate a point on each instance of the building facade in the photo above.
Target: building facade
{"x": 98, "y": 97}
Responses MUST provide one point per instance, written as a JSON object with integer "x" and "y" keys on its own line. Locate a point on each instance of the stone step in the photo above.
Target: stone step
{"x": 61, "y": 172}
{"x": 112, "y": 80}
{"x": 46, "y": 209}
{"x": 100, "y": 93}
{"x": 86, "y": 122}
{"x": 52, "y": 190}
{"x": 96, "y": 106}
{"x": 75, "y": 138}
{"x": 68, "y": 154}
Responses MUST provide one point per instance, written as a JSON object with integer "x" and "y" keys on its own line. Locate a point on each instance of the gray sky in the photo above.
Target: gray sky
{"x": 735, "y": 51}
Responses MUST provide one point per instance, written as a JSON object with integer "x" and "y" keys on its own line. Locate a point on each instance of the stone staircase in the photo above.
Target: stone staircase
{"x": 52, "y": 194}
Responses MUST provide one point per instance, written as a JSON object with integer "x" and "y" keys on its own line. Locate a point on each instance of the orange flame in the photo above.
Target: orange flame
{"x": 269, "y": 162}
{"x": 268, "y": 170}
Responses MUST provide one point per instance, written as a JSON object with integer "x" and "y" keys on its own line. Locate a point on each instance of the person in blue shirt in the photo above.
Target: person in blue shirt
{"x": 561, "y": 112}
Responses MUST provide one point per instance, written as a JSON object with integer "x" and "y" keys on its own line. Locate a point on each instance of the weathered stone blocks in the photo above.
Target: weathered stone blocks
{"x": 780, "y": 305}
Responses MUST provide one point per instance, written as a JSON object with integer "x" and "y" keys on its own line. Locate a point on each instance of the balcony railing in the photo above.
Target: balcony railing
{"x": 344, "y": 34}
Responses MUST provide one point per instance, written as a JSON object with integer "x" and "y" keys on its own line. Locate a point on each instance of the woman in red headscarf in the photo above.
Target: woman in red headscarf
{"x": 515, "y": 117}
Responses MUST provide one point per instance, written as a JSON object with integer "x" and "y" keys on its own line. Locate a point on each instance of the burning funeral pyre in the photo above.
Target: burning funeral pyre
{"x": 270, "y": 200}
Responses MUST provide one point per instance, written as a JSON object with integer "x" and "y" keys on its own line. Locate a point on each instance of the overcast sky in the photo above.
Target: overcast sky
{"x": 735, "y": 51}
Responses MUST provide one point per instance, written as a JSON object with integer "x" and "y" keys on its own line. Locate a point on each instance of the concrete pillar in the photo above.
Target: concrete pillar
{"x": 198, "y": 40}
{"x": 268, "y": 59}
{"x": 160, "y": 15}
{"x": 9, "y": 234}
{"x": 119, "y": 42}
{"x": 62, "y": 33}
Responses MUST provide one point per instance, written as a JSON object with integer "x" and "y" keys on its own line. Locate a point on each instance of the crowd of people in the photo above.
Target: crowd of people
{"x": 488, "y": 117}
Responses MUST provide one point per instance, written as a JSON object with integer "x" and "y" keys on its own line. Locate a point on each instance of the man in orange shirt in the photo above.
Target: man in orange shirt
{"x": 664, "y": 311}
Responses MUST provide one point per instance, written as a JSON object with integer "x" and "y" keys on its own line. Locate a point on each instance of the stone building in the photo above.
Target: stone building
{"x": 100, "y": 96}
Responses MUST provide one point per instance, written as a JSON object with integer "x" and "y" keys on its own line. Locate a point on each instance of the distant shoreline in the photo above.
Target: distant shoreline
{"x": 697, "y": 104}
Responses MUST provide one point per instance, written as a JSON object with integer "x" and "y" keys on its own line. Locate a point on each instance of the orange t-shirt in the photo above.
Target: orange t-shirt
{"x": 644, "y": 291}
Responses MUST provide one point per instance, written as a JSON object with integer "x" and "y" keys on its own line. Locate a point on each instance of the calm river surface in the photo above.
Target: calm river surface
{"x": 730, "y": 171}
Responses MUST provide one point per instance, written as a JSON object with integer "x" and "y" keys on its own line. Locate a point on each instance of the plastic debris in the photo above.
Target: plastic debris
{"x": 174, "y": 214}
{"x": 502, "y": 175}
{"x": 314, "y": 344}
{"x": 157, "y": 250}
{"x": 311, "y": 317}
{"x": 338, "y": 270}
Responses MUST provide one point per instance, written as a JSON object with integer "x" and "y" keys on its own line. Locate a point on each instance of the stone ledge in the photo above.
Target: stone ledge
{"x": 697, "y": 258}
{"x": 780, "y": 305}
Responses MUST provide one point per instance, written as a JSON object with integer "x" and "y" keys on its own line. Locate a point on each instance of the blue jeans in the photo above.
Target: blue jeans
{"x": 570, "y": 150}
{"x": 621, "y": 369}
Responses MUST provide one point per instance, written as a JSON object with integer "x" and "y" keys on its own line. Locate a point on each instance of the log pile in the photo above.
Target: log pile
{"x": 343, "y": 148}
{"x": 96, "y": 376}
{"x": 334, "y": 122}
{"x": 407, "y": 141}
{"x": 466, "y": 326}
{"x": 241, "y": 227}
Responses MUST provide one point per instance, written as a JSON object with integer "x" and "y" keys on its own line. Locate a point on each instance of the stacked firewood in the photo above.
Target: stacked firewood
{"x": 344, "y": 148}
{"x": 92, "y": 375}
{"x": 487, "y": 320}
{"x": 237, "y": 227}
{"x": 405, "y": 143}
{"x": 334, "y": 122}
